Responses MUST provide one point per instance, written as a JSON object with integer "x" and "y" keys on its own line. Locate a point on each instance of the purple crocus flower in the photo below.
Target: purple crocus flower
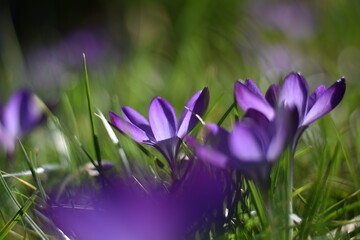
{"x": 162, "y": 131}
{"x": 293, "y": 92}
{"x": 17, "y": 118}
{"x": 252, "y": 146}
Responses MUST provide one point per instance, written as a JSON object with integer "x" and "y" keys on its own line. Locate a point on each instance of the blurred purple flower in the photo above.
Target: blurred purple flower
{"x": 52, "y": 65}
{"x": 253, "y": 145}
{"x": 17, "y": 118}
{"x": 162, "y": 131}
{"x": 295, "y": 19}
{"x": 119, "y": 211}
{"x": 294, "y": 92}
{"x": 123, "y": 210}
{"x": 276, "y": 60}
{"x": 93, "y": 43}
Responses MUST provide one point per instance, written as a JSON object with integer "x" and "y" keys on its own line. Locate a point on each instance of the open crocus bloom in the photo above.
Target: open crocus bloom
{"x": 17, "y": 118}
{"x": 252, "y": 146}
{"x": 293, "y": 92}
{"x": 162, "y": 131}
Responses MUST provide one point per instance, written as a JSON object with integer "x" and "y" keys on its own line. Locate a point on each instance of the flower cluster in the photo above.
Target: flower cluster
{"x": 294, "y": 92}
{"x": 270, "y": 124}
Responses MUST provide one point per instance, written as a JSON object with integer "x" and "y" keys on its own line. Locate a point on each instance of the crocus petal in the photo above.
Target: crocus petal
{"x": 212, "y": 156}
{"x": 216, "y": 150}
{"x": 319, "y": 91}
{"x": 169, "y": 148}
{"x": 21, "y": 113}
{"x": 138, "y": 120}
{"x": 287, "y": 122}
{"x": 263, "y": 126}
{"x": 245, "y": 145}
{"x": 294, "y": 92}
{"x": 162, "y": 119}
{"x": 130, "y": 129}
{"x": 272, "y": 94}
{"x": 257, "y": 117}
{"x": 7, "y": 140}
{"x": 11, "y": 117}
{"x": 249, "y": 98}
{"x": 216, "y": 137}
{"x": 31, "y": 114}
{"x": 253, "y": 88}
{"x": 197, "y": 105}
{"x": 326, "y": 102}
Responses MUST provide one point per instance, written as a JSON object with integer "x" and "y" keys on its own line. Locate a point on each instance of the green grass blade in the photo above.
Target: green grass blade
{"x": 91, "y": 114}
{"x": 116, "y": 142}
{"x": 70, "y": 115}
{"x": 226, "y": 114}
{"x": 341, "y": 211}
{"x": 302, "y": 151}
{"x": 33, "y": 172}
{"x": 297, "y": 192}
{"x": 37, "y": 178}
{"x": 17, "y": 217}
{"x": 349, "y": 162}
{"x": 259, "y": 204}
{"x": 48, "y": 112}
{"x": 3, "y": 173}
{"x": 88, "y": 155}
{"x": 334, "y": 206}
{"x": 318, "y": 197}
{"x": 17, "y": 204}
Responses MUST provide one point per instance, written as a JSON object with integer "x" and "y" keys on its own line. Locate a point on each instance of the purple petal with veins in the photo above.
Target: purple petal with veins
{"x": 162, "y": 119}
{"x": 138, "y": 120}
{"x": 130, "y": 129}
{"x": 326, "y": 102}
{"x": 253, "y": 88}
{"x": 249, "y": 98}
{"x": 197, "y": 105}
{"x": 318, "y": 92}
{"x": 294, "y": 92}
